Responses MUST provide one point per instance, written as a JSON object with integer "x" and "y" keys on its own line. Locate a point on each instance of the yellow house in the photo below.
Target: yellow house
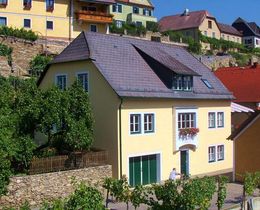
{"x": 62, "y": 19}
{"x": 133, "y": 11}
{"x": 230, "y": 33}
{"x": 191, "y": 23}
{"x": 155, "y": 106}
{"x": 247, "y": 147}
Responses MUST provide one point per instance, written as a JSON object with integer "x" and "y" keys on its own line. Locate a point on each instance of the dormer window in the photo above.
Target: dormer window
{"x": 182, "y": 83}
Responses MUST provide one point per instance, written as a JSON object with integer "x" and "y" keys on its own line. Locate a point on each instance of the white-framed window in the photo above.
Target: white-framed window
{"x": 142, "y": 123}
{"x": 93, "y": 28}
{"x": 117, "y": 8}
{"x": 3, "y": 21}
{"x": 61, "y": 81}
{"x": 212, "y": 119}
{"x": 181, "y": 82}
{"x": 148, "y": 123}
{"x": 49, "y": 5}
{"x": 27, "y": 23}
{"x": 212, "y": 154}
{"x": 220, "y": 119}
{"x": 186, "y": 120}
{"x": 83, "y": 80}
{"x": 205, "y": 33}
{"x": 213, "y": 35}
{"x": 135, "y": 123}
{"x": 216, "y": 120}
{"x": 135, "y": 10}
{"x": 216, "y": 153}
{"x": 220, "y": 152}
{"x": 147, "y": 12}
{"x": 119, "y": 23}
{"x": 49, "y": 25}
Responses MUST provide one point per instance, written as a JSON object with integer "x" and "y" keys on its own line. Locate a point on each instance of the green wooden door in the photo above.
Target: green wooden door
{"x": 135, "y": 171}
{"x": 143, "y": 170}
{"x": 153, "y": 169}
{"x": 185, "y": 162}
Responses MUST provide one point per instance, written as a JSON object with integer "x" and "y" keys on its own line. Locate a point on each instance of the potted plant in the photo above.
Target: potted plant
{"x": 188, "y": 132}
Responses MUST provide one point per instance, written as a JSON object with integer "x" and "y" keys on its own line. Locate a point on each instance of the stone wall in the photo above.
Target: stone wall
{"x": 24, "y": 51}
{"x": 46, "y": 187}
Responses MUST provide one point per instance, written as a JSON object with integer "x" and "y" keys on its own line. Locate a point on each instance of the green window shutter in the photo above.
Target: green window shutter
{"x": 145, "y": 170}
{"x": 153, "y": 168}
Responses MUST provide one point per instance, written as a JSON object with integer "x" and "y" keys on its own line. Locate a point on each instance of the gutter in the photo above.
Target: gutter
{"x": 120, "y": 137}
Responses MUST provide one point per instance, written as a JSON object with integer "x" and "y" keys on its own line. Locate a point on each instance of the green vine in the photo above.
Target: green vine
{"x": 7, "y": 52}
{"x": 222, "y": 191}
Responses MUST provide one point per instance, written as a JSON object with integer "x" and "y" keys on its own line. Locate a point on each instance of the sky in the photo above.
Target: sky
{"x": 225, "y": 11}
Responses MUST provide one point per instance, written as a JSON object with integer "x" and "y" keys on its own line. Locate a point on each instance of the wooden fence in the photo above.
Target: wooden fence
{"x": 65, "y": 162}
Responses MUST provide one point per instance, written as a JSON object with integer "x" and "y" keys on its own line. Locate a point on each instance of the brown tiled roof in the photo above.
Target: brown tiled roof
{"x": 131, "y": 73}
{"x": 244, "y": 125}
{"x": 180, "y": 21}
{"x": 228, "y": 29}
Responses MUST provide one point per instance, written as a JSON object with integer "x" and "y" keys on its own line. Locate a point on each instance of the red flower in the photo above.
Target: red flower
{"x": 188, "y": 132}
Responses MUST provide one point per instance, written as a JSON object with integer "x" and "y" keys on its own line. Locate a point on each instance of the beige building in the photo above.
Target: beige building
{"x": 133, "y": 11}
{"x": 191, "y": 23}
{"x": 229, "y": 33}
{"x": 155, "y": 106}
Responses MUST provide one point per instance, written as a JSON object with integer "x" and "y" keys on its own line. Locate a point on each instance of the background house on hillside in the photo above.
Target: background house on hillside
{"x": 250, "y": 31}
{"x": 191, "y": 23}
{"x": 133, "y": 11}
{"x": 230, "y": 33}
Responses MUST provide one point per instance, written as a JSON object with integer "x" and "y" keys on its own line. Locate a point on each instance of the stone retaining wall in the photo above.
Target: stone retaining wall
{"x": 46, "y": 187}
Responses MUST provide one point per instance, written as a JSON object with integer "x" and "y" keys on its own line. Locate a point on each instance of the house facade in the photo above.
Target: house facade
{"x": 229, "y": 33}
{"x": 62, "y": 19}
{"x": 246, "y": 147}
{"x": 191, "y": 23}
{"x": 153, "y": 111}
{"x": 250, "y": 31}
{"x": 132, "y": 11}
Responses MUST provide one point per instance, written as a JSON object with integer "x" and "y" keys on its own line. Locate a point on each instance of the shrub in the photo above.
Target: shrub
{"x": 85, "y": 197}
{"x": 19, "y": 33}
{"x": 152, "y": 26}
{"x": 115, "y": 29}
{"x": 38, "y": 64}
{"x": 7, "y": 52}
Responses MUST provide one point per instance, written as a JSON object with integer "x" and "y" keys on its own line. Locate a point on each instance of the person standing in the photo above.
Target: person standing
{"x": 173, "y": 174}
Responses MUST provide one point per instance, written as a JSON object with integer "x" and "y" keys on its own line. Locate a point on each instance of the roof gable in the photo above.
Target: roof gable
{"x": 181, "y": 22}
{"x": 227, "y": 29}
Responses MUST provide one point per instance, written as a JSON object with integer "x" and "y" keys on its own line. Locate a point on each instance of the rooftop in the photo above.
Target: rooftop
{"x": 182, "y": 21}
{"x": 139, "y": 68}
{"x": 228, "y": 29}
{"x": 243, "y": 82}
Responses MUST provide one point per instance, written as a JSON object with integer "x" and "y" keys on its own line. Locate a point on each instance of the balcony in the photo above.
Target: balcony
{"x": 132, "y": 17}
{"x": 94, "y": 17}
{"x": 186, "y": 141}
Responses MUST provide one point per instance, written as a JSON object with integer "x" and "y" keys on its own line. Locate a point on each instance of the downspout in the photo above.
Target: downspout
{"x": 71, "y": 19}
{"x": 120, "y": 136}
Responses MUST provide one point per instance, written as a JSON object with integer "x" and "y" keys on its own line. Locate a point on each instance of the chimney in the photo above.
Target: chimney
{"x": 186, "y": 12}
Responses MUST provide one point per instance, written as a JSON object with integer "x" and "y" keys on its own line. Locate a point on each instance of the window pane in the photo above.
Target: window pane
{"x": 135, "y": 123}
{"x": 61, "y": 81}
{"x": 212, "y": 154}
{"x": 49, "y": 24}
{"x": 83, "y": 80}
{"x": 220, "y": 119}
{"x": 27, "y": 23}
{"x": 148, "y": 123}
{"x": 3, "y": 21}
{"x": 211, "y": 120}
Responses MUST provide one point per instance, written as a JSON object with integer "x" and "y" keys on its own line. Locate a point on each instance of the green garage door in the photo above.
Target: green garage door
{"x": 143, "y": 170}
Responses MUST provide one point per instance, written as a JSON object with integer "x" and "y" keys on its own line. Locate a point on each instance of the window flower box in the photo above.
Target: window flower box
{"x": 27, "y": 4}
{"x": 188, "y": 132}
{"x": 49, "y": 8}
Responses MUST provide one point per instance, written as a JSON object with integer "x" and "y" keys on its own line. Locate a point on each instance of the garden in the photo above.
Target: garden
{"x": 183, "y": 194}
{"x": 64, "y": 117}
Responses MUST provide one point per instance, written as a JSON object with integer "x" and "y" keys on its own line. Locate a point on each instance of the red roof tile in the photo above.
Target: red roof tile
{"x": 244, "y": 83}
{"x": 180, "y": 21}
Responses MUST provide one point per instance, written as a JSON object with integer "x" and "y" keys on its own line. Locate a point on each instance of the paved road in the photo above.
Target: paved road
{"x": 234, "y": 195}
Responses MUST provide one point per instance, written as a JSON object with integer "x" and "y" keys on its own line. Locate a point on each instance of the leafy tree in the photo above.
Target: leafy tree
{"x": 38, "y": 64}
{"x": 77, "y": 119}
{"x": 152, "y": 26}
{"x": 222, "y": 191}
{"x": 138, "y": 196}
{"x": 85, "y": 197}
{"x": 108, "y": 181}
